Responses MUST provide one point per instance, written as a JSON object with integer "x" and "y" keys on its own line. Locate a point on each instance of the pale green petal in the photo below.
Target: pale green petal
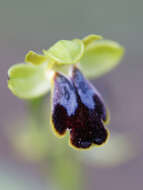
{"x": 66, "y": 52}
{"x": 28, "y": 81}
{"x": 90, "y": 39}
{"x": 101, "y": 57}
{"x": 34, "y": 58}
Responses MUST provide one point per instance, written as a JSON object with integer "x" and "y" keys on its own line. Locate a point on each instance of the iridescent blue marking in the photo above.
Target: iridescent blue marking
{"x": 85, "y": 90}
{"x": 64, "y": 94}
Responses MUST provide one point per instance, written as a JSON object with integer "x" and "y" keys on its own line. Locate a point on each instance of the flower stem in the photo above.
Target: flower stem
{"x": 64, "y": 168}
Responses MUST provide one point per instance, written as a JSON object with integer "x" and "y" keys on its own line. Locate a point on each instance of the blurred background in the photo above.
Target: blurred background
{"x": 36, "y": 25}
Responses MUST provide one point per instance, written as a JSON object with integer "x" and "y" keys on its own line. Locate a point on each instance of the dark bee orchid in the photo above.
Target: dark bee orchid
{"x": 78, "y": 106}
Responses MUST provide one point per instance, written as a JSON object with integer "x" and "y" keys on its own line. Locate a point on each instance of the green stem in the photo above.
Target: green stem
{"x": 36, "y": 111}
{"x": 65, "y": 171}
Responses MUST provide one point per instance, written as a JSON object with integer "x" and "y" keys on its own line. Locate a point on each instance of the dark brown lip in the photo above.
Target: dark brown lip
{"x": 86, "y": 121}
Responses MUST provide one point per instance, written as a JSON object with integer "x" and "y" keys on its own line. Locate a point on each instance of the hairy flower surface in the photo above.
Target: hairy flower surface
{"x": 78, "y": 106}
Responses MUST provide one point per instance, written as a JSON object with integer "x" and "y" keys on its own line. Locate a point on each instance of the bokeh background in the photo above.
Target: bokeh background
{"x": 36, "y": 25}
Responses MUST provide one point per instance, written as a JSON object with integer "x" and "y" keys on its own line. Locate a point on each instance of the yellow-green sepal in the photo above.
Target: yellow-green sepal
{"x": 100, "y": 57}
{"x": 28, "y": 81}
{"x": 66, "y": 52}
{"x": 34, "y": 58}
{"x": 88, "y": 40}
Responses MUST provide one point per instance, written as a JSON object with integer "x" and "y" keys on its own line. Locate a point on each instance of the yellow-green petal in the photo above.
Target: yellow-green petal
{"x": 66, "y": 52}
{"x": 101, "y": 57}
{"x": 90, "y": 39}
{"x": 28, "y": 81}
{"x": 34, "y": 58}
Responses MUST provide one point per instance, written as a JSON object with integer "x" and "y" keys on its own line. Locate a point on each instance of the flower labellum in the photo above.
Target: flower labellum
{"x": 79, "y": 107}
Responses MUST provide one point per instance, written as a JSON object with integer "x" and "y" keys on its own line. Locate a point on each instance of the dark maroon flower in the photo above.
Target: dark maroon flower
{"x": 79, "y": 107}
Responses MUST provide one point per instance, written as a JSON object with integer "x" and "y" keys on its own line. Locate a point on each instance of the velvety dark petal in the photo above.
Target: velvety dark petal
{"x": 87, "y": 123}
{"x": 59, "y": 117}
{"x": 64, "y": 103}
{"x": 100, "y": 137}
{"x": 78, "y": 107}
{"x": 86, "y": 127}
{"x": 88, "y": 94}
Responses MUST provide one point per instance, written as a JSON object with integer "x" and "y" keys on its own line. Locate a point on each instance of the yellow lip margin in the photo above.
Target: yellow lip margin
{"x": 108, "y": 117}
{"x": 56, "y": 133}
